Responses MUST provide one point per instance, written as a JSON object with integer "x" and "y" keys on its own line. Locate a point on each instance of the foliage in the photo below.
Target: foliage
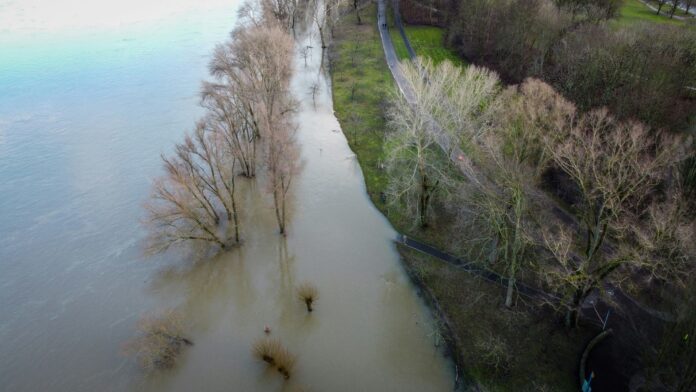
{"x": 637, "y": 71}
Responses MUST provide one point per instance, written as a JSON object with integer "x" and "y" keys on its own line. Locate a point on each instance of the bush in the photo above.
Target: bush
{"x": 160, "y": 341}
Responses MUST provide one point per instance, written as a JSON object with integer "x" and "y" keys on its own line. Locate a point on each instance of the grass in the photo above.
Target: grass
{"x": 634, "y": 11}
{"x": 361, "y": 84}
{"x": 524, "y": 349}
{"x": 427, "y": 41}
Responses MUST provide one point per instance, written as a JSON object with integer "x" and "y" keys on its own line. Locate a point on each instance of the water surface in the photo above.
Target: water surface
{"x": 86, "y": 107}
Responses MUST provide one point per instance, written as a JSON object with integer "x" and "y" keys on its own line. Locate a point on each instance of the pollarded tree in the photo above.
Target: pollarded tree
{"x": 615, "y": 166}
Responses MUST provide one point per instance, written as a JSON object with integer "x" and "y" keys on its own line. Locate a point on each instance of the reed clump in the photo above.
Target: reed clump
{"x": 308, "y": 293}
{"x": 267, "y": 350}
{"x": 285, "y": 362}
{"x": 160, "y": 341}
{"x": 272, "y": 352}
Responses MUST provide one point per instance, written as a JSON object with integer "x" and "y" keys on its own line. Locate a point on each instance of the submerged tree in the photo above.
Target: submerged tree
{"x": 199, "y": 182}
{"x": 160, "y": 341}
{"x": 252, "y": 70}
{"x": 282, "y": 163}
{"x": 273, "y": 353}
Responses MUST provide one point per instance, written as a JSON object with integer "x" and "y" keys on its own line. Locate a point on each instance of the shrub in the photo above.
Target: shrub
{"x": 160, "y": 341}
{"x": 308, "y": 293}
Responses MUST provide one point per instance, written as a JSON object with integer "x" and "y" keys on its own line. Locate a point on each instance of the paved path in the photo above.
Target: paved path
{"x": 455, "y": 154}
{"x": 474, "y": 268}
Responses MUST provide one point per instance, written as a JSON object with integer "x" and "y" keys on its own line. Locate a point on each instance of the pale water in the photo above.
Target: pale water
{"x": 90, "y": 95}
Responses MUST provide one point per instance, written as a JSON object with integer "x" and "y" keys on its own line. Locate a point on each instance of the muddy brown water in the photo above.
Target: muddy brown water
{"x": 83, "y": 119}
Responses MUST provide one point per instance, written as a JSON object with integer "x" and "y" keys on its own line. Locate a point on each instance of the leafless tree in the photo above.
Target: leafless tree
{"x": 199, "y": 181}
{"x": 614, "y": 166}
{"x": 160, "y": 341}
{"x": 314, "y": 90}
{"x": 356, "y": 8}
{"x": 231, "y": 115}
{"x": 675, "y": 5}
{"x": 326, "y": 18}
{"x": 283, "y": 164}
{"x": 417, "y": 167}
{"x": 660, "y": 4}
{"x": 305, "y": 51}
{"x": 251, "y": 85}
{"x": 531, "y": 113}
{"x": 460, "y": 97}
{"x": 497, "y": 214}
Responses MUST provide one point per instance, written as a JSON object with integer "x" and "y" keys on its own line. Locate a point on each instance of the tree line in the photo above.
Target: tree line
{"x": 635, "y": 224}
{"x": 643, "y": 71}
{"x": 248, "y": 125}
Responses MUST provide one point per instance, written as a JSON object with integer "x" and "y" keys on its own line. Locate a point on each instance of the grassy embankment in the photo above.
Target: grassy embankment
{"x": 634, "y": 11}
{"x": 523, "y": 349}
{"x": 426, "y": 41}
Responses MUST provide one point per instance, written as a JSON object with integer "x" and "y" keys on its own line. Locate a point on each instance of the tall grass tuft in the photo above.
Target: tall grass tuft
{"x": 267, "y": 350}
{"x": 160, "y": 341}
{"x": 284, "y": 362}
{"x": 308, "y": 293}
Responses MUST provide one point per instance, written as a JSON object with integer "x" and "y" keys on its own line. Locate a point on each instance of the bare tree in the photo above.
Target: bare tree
{"x": 159, "y": 342}
{"x": 326, "y": 19}
{"x": 282, "y": 162}
{"x": 314, "y": 90}
{"x": 305, "y": 52}
{"x": 498, "y": 214}
{"x": 417, "y": 167}
{"x": 356, "y": 8}
{"x": 232, "y": 116}
{"x": 660, "y": 4}
{"x": 199, "y": 181}
{"x": 614, "y": 166}
{"x": 675, "y": 5}
{"x": 460, "y": 97}
{"x": 251, "y": 85}
{"x": 255, "y": 63}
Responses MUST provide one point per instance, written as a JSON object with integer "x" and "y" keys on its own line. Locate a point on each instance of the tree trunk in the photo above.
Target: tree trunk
{"x": 510, "y": 291}
{"x": 357, "y": 11}
{"x": 573, "y": 315}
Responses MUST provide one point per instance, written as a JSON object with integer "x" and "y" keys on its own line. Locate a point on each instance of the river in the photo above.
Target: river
{"x": 90, "y": 95}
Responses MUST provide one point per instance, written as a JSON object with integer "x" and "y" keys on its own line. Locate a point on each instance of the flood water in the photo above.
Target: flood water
{"x": 89, "y": 98}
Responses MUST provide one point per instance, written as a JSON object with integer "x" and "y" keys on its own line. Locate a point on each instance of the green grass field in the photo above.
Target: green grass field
{"x": 427, "y": 41}
{"x": 633, "y": 11}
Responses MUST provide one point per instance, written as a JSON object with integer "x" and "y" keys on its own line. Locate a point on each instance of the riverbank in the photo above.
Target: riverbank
{"x": 493, "y": 348}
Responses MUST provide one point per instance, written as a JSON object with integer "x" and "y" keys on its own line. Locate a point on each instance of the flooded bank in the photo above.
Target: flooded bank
{"x": 77, "y": 158}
